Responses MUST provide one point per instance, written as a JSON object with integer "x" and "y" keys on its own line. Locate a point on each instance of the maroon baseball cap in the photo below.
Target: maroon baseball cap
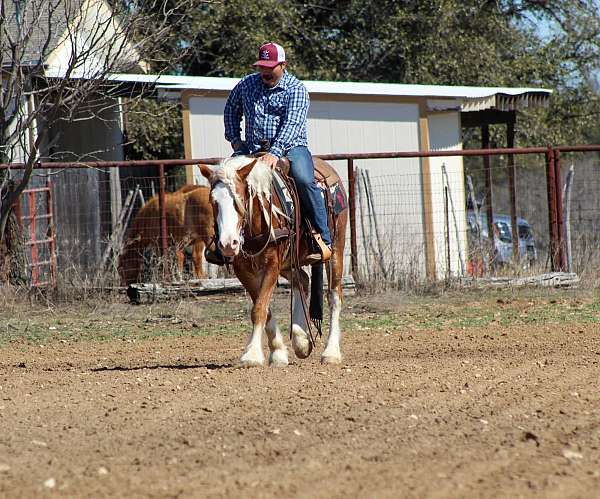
{"x": 270, "y": 55}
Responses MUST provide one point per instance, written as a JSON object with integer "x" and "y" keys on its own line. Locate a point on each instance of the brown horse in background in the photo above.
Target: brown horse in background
{"x": 189, "y": 222}
{"x": 246, "y": 209}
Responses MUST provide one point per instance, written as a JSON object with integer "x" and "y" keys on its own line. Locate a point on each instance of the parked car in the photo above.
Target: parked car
{"x": 503, "y": 238}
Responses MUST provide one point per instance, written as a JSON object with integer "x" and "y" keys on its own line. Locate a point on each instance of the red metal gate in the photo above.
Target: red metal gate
{"x": 42, "y": 248}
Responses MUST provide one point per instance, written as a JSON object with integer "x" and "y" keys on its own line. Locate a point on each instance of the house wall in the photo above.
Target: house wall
{"x": 448, "y": 194}
{"x": 95, "y": 39}
{"x": 82, "y": 197}
{"x": 392, "y": 227}
{"x": 17, "y": 150}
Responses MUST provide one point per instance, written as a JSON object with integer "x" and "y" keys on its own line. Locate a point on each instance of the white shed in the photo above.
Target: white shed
{"x": 420, "y": 210}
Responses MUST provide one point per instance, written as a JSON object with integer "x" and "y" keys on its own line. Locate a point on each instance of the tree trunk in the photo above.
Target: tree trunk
{"x": 13, "y": 261}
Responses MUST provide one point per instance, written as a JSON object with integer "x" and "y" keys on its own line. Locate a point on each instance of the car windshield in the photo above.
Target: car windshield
{"x": 525, "y": 232}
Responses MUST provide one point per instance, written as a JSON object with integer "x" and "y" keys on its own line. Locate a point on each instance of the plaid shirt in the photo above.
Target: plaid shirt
{"x": 275, "y": 114}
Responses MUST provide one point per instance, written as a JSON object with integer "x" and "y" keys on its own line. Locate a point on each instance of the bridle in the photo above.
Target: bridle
{"x": 243, "y": 212}
{"x": 268, "y": 238}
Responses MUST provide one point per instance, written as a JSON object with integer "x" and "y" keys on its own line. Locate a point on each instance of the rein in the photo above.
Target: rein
{"x": 268, "y": 238}
{"x": 295, "y": 260}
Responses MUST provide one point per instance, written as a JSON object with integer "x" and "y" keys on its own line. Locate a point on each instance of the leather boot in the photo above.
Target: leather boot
{"x": 323, "y": 253}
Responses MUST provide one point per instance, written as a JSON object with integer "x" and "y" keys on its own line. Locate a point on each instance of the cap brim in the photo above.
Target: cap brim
{"x": 267, "y": 64}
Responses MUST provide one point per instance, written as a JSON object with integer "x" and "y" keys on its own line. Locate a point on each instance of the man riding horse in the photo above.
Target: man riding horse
{"x": 274, "y": 105}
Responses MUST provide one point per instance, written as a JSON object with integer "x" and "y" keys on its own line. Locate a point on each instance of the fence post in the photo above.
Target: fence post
{"x": 163, "y": 211}
{"x": 489, "y": 194}
{"x": 33, "y": 236}
{"x": 562, "y": 261}
{"x": 51, "y": 234}
{"x": 512, "y": 185}
{"x": 352, "y": 206}
{"x": 552, "y": 218}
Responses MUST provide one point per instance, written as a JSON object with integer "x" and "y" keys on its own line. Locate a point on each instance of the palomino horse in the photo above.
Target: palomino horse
{"x": 244, "y": 207}
{"x": 189, "y": 221}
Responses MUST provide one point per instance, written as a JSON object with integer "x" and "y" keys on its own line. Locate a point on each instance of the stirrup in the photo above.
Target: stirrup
{"x": 322, "y": 255}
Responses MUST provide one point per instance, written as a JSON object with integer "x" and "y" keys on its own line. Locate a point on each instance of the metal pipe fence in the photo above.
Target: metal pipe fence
{"x": 520, "y": 187}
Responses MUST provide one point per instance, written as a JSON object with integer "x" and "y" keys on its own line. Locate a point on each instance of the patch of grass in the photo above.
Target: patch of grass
{"x": 106, "y": 320}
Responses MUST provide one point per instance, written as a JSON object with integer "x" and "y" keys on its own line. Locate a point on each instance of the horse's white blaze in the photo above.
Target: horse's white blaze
{"x": 253, "y": 354}
{"x": 332, "y": 353}
{"x": 227, "y": 220}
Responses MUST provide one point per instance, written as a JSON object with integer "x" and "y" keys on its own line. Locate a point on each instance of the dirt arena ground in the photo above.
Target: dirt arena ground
{"x": 462, "y": 395}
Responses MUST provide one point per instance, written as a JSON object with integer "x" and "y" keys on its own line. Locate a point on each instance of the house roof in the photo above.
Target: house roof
{"x": 44, "y": 21}
{"x": 440, "y": 97}
{"x": 46, "y": 32}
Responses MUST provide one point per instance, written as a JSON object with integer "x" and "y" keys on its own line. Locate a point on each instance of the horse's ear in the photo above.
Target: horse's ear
{"x": 244, "y": 171}
{"x": 206, "y": 171}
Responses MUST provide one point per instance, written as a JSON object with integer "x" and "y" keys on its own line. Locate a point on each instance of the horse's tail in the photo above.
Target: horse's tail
{"x": 316, "y": 296}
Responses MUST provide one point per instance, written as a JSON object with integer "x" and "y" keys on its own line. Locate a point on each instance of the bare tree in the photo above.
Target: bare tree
{"x": 56, "y": 59}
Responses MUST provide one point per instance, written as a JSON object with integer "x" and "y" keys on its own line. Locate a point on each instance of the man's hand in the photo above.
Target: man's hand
{"x": 237, "y": 145}
{"x": 270, "y": 160}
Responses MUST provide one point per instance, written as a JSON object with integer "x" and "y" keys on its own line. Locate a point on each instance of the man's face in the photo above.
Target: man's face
{"x": 271, "y": 76}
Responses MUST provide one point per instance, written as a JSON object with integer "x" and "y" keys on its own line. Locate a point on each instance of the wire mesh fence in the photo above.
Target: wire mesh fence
{"x": 392, "y": 233}
{"x": 582, "y": 211}
{"x": 408, "y": 219}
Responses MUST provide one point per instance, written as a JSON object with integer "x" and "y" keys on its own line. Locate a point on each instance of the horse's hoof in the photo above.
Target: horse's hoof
{"x": 300, "y": 342}
{"x": 278, "y": 358}
{"x": 251, "y": 361}
{"x": 331, "y": 359}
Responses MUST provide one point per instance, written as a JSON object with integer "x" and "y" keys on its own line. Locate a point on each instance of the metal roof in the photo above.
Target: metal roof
{"x": 37, "y": 27}
{"x": 464, "y": 98}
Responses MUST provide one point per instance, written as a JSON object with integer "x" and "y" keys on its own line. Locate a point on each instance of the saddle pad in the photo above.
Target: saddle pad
{"x": 287, "y": 202}
{"x": 340, "y": 202}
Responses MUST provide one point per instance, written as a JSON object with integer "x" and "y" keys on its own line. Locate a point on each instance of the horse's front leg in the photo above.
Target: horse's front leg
{"x": 261, "y": 292}
{"x": 180, "y": 260}
{"x": 197, "y": 252}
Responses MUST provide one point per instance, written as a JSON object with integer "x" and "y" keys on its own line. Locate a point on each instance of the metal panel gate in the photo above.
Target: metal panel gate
{"x": 38, "y": 221}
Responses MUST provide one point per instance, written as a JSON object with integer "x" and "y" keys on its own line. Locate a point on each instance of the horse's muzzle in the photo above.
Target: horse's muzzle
{"x": 231, "y": 248}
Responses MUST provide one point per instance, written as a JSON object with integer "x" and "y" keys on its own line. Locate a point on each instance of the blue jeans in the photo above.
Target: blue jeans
{"x": 302, "y": 170}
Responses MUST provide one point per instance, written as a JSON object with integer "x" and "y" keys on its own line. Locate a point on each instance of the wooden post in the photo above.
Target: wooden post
{"x": 512, "y": 185}
{"x": 560, "y": 235}
{"x": 352, "y": 207}
{"x": 361, "y": 196}
{"x": 114, "y": 176}
{"x": 447, "y": 231}
{"x": 552, "y": 220}
{"x": 427, "y": 193}
{"x": 163, "y": 210}
{"x": 567, "y": 215}
{"x": 489, "y": 201}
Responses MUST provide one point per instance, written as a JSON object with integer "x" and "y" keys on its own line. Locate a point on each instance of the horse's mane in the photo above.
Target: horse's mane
{"x": 259, "y": 180}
